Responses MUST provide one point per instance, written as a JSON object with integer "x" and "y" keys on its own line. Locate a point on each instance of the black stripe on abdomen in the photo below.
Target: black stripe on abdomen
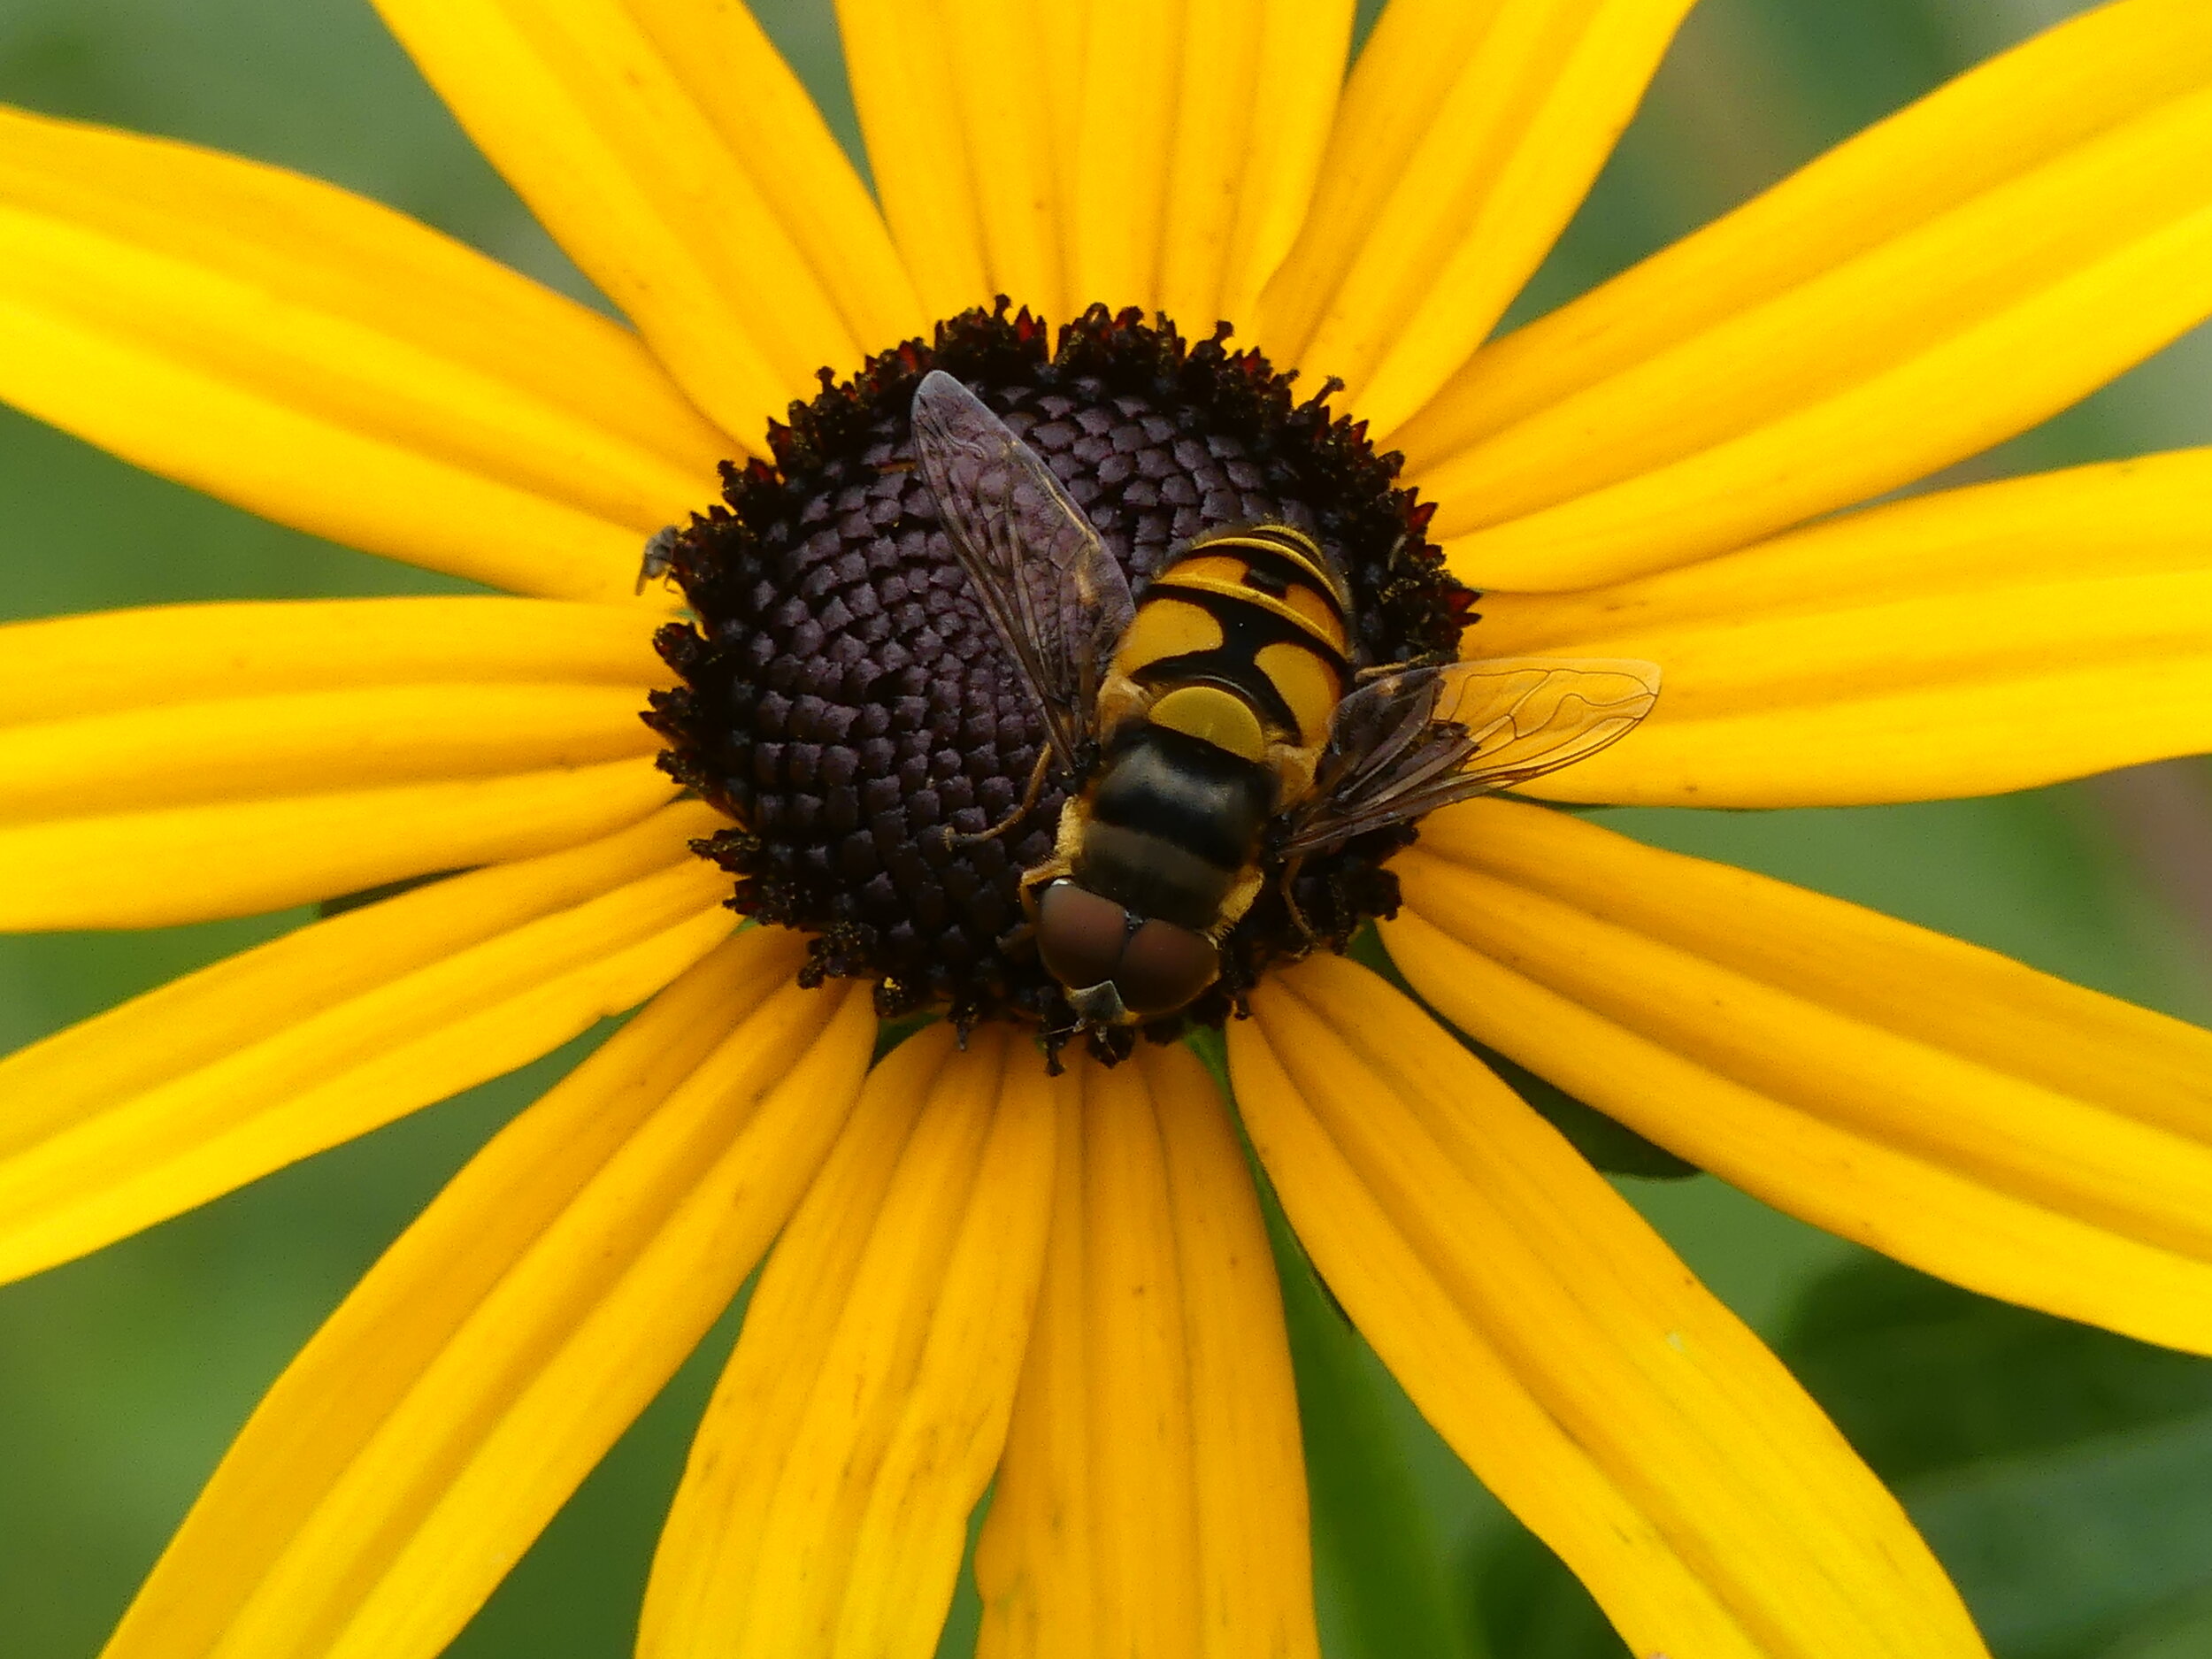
{"x": 1183, "y": 789}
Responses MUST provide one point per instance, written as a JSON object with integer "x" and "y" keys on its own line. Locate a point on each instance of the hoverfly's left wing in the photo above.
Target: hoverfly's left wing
{"x": 1424, "y": 738}
{"x": 1057, "y": 599}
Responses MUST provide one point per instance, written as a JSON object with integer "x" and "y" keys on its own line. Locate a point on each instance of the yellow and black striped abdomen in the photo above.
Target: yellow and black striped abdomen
{"x": 1244, "y": 640}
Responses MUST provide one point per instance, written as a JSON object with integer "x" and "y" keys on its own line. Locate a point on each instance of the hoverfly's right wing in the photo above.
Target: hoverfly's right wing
{"x": 1424, "y": 738}
{"x": 1055, "y": 595}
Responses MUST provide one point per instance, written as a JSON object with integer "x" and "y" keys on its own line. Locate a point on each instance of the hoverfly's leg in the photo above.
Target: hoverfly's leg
{"x": 1430, "y": 659}
{"x": 1022, "y": 808}
{"x": 1291, "y": 867}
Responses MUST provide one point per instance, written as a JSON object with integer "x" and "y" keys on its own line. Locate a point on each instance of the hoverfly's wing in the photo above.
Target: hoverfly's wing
{"x": 1424, "y": 738}
{"x": 1053, "y": 592}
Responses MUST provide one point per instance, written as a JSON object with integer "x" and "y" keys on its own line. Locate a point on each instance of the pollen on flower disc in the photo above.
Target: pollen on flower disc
{"x": 845, "y": 700}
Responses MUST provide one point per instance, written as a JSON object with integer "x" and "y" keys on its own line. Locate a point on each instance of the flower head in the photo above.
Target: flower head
{"x": 975, "y": 1274}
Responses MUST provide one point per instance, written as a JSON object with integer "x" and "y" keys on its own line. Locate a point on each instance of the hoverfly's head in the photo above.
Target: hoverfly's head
{"x": 1119, "y": 968}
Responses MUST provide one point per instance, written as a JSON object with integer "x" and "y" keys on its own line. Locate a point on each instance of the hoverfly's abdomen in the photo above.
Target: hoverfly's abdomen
{"x": 1171, "y": 825}
{"x": 1258, "y": 612}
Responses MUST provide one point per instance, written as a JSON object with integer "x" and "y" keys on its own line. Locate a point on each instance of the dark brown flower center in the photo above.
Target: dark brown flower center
{"x": 845, "y": 699}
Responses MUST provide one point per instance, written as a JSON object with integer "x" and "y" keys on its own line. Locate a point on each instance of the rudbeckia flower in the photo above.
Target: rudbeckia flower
{"x": 976, "y": 1275}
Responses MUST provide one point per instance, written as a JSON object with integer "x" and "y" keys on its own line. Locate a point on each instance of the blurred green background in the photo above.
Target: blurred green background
{"x": 2064, "y": 1476}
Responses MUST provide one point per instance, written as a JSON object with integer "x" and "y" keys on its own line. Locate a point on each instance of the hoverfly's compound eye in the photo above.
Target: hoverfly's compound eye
{"x": 1154, "y": 967}
{"x": 1079, "y": 935}
{"x": 1164, "y": 967}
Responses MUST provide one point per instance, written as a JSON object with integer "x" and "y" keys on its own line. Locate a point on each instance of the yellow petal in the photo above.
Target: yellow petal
{"x": 2023, "y": 1137}
{"x": 1199, "y": 130}
{"x": 1131, "y": 88}
{"x": 683, "y": 167}
{"x": 1064, "y": 29}
{"x": 327, "y": 362}
{"x": 1962, "y": 643}
{"x": 1470, "y": 134}
{"x": 328, "y": 1032}
{"x": 252, "y": 749}
{"x": 409, "y": 1453}
{"x": 143, "y": 711}
{"x": 1955, "y": 274}
{"x": 69, "y": 666}
{"x": 1259, "y": 88}
{"x": 190, "y": 864}
{"x": 1152, "y": 1499}
{"x": 825, "y": 1507}
{"x": 956, "y": 101}
{"x": 1565, "y": 1352}
{"x": 1062, "y": 153}
{"x": 1001, "y": 79}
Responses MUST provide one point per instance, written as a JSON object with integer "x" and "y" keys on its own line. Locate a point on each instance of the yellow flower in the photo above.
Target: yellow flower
{"x": 979, "y": 1273}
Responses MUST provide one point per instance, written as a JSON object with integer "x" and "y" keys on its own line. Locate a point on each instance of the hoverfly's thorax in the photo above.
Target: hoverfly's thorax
{"x": 1258, "y": 611}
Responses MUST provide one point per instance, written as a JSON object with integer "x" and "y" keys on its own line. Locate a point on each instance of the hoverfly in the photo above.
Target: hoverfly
{"x": 1220, "y": 732}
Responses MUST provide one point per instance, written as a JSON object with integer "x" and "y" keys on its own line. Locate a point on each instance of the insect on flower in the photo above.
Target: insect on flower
{"x": 1032, "y": 661}
{"x": 1221, "y": 730}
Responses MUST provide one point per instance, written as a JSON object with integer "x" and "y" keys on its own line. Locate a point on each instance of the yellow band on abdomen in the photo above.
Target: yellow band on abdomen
{"x": 1213, "y": 716}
